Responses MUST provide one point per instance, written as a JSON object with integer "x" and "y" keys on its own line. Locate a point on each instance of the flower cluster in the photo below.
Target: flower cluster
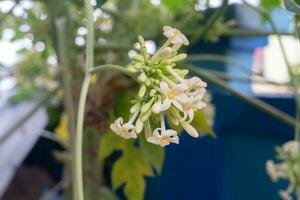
{"x": 164, "y": 92}
{"x": 288, "y": 169}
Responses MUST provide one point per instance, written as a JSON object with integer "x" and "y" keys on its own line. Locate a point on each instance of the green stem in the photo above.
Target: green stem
{"x": 60, "y": 24}
{"x": 272, "y": 111}
{"x": 219, "y": 58}
{"x": 82, "y": 101}
{"x": 247, "y": 79}
{"x": 115, "y": 68}
{"x": 234, "y": 62}
{"x": 78, "y": 137}
{"x": 213, "y": 19}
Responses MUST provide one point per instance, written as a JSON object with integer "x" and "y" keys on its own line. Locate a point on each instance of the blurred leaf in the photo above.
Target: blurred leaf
{"x": 109, "y": 143}
{"x": 292, "y": 6}
{"x": 107, "y": 194}
{"x": 270, "y": 4}
{"x": 154, "y": 154}
{"x": 130, "y": 170}
{"x": 21, "y": 94}
{"x": 123, "y": 104}
{"x": 100, "y": 2}
{"x": 201, "y": 124}
{"x": 175, "y": 5}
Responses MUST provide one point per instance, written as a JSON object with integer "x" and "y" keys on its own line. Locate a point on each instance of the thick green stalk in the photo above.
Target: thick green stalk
{"x": 82, "y": 101}
{"x": 272, "y": 111}
{"x": 114, "y": 68}
{"x": 247, "y": 79}
{"x": 60, "y": 24}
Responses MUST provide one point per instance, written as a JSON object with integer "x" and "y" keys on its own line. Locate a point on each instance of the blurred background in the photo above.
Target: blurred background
{"x": 42, "y": 45}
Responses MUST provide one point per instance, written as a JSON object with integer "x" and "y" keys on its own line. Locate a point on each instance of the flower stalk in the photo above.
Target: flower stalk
{"x": 82, "y": 101}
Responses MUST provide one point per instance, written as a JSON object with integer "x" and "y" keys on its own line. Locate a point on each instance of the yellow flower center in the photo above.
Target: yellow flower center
{"x": 164, "y": 139}
{"x": 176, "y": 33}
{"x": 171, "y": 95}
{"x": 123, "y": 131}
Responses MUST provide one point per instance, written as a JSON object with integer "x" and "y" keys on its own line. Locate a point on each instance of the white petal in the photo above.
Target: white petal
{"x": 119, "y": 122}
{"x": 139, "y": 126}
{"x": 169, "y": 133}
{"x": 190, "y": 114}
{"x": 189, "y": 129}
{"x": 182, "y": 98}
{"x": 200, "y": 105}
{"x": 175, "y": 140}
{"x": 181, "y": 87}
{"x": 159, "y": 107}
{"x": 166, "y": 104}
{"x": 157, "y": 133}
{"x": 114, "y": 128}
{"x": 152, "y": 140}
{"x": 164, "y": 87}
{"x": 128, "y": 126}
{"x": 177, "y": 105}
{"x": 183, "y": 39}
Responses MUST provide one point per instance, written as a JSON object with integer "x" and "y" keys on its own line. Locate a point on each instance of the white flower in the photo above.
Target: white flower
{"x": 171, "y": 96}
{"x": 124, "y": 130}
{"x": 175, "y": 36}
{"x": 163, "y": 137}
{"x": 196, "y": 86}
{"x": 190, "y": 104}
{"x": 189, "y": 129}
{"x": 271, "y": 170}
{"x": 291, "y": 147}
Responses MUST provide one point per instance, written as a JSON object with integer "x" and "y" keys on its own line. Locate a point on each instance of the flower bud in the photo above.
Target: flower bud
{"x": 177, "y": 58}
{"x": 148, "y": 82}
{"x": 135, "y": 108}
{"x": 142, "y": 91}
{"x": 139, "y": 126}
{"x": 163, "y": 53}
{"x": 189, "y": 129}
{"x": 142, "y": 77}
{"x": 147, "y": 106}
{"x": 146, "y": 115}
{"x": 138, "y": 58}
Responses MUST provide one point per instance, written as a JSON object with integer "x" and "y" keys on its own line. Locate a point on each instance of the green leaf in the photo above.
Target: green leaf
{"x": 270, "y": 4}
{"x": 130, "y": 170}
{"x": 123, "y": 104}
{"x": 107, "y": 194}
{"x": 154, "y": 154}
{"x": 201, "y": 124}
{"x": 100, "y": 3}
{"x": 292, "y": 6}
{"x": 109, "y": 143}
{"x": 174, "y": 5}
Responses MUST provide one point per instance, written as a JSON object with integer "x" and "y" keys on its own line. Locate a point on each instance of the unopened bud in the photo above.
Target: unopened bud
{"x": 142, "y": 77}
{"x": 177, "y": 58}
{"x": 142, "y": 91}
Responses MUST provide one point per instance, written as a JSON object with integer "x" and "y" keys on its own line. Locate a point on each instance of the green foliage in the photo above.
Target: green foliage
{"x": 201, "y": 124}
{"x": 175, "y": 5}
{"x": 270, "y": 4}
{"x": 107, "y": 194}
{"x": 154, "y": 154}
{"x": 130, "y": 170}
{"x": 22, "y": 94}
{"x": 136, "y": 161}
